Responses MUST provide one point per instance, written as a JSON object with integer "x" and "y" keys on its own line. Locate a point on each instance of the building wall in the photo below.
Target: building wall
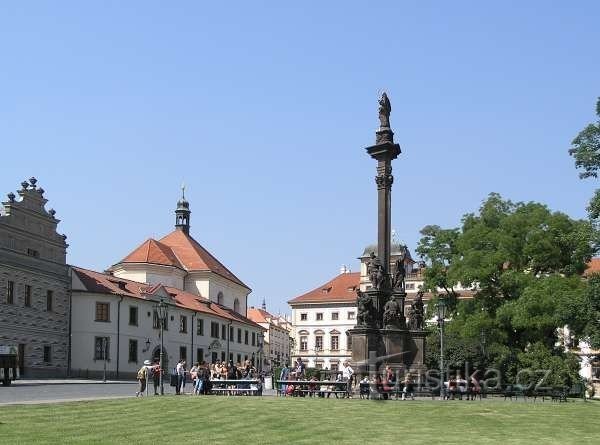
{"x": 33, "y": 254}
{"x": 85, "y": 329}
{"x": 326, "y": 357}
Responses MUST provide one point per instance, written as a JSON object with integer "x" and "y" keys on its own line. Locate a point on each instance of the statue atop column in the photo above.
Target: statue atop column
{"x": 385, "y": 108}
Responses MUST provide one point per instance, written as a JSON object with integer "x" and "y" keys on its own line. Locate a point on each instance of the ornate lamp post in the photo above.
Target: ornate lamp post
{"x": 441, "y": 315}
{"x": 162, "y": 311}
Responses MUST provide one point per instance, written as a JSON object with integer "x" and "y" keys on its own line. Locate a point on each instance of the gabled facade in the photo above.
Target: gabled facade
{"x": 34, "y": 283}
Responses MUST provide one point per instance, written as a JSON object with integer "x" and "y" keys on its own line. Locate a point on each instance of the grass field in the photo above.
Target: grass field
{"x": 250, "y": 420}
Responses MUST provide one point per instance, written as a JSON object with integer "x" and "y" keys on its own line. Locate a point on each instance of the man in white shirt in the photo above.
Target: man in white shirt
{"x": 347, "y": 373}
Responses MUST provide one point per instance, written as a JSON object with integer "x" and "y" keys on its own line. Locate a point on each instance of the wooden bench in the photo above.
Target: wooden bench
{"x": 229, "y": 387}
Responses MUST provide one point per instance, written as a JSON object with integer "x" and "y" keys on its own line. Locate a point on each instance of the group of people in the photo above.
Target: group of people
{"x": 386, "y": 384}
{"x": 290, "y": 375}
{"x": 149, "y": 371}
{"x": 200, "y": 374}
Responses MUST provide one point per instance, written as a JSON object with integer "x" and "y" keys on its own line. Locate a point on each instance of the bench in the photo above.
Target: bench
{"x": 229, "y": 387}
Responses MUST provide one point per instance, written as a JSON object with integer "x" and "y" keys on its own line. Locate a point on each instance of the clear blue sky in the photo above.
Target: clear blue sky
{"x": 264, "y": 111}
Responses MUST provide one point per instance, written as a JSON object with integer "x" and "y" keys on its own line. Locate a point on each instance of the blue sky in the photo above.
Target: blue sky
{"x": 264, "y": 110}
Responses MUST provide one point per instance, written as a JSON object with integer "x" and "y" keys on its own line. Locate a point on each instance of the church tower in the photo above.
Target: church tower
{"x": 182, "y": 213}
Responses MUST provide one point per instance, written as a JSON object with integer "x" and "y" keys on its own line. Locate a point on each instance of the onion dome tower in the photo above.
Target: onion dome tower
{"x": 182, "y": 213}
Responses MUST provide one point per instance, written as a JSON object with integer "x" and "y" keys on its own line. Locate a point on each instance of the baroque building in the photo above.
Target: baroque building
{"x": 115, "y": 317}
{"x": 34, "y": 284}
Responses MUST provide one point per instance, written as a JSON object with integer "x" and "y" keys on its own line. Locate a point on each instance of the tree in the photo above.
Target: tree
{"x": 585, "y": 148}
{"x": 525, "y": 263}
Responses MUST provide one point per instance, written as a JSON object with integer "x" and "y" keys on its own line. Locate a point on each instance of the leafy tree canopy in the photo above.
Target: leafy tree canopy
{"x": 524, "y": 263}
{"x": 585, "y": 148}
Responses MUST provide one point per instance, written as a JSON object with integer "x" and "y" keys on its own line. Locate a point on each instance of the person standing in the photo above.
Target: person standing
{"x": 347, "y": 373}
{"x": 180, "y": 371}
{"x": 142, "y": 377}
{"x": 156, "y": 372}
{"x": 285, "y": 374}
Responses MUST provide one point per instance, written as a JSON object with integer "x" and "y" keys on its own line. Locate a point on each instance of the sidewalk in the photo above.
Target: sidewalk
{"x": 35, "y": 382}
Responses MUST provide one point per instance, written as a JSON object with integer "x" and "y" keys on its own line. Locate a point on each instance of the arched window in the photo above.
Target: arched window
{"x": 220, "y": 298}
{"x": 236, "y": 305}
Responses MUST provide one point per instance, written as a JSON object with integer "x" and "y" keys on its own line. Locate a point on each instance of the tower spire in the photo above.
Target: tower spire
{"x": 182, "y": 213}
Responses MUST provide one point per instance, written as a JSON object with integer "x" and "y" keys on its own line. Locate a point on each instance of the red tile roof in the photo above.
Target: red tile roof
{"x": 341, "y": 289}
{"x": 258, "y": 315}
{"x": 154, "y": 252}
{"x": 108, "y": 284}
{"x": 179, "y": 249}
{"x": 592, "y": 267}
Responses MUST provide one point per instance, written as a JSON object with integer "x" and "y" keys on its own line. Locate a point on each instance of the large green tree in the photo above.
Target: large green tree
{"x": 524, "y": 263}
{"x": 585, "y": 148}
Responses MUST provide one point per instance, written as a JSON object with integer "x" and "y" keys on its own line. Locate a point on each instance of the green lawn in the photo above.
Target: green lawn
{"x": 251, "y": 420}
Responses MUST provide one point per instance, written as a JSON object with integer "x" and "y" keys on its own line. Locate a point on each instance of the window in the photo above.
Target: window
{"x": 182, "y": 324}
{"x": 409, "y": 286}
{"x": 10, "y": 292}
{"x": 239, "y": 335}
{"x": 220, "y": 298}
{"x": 183, "y": 353}
{"x": 231, "y": 333}
{"x": 213, "y": 358}
{"x": 224, "y": 332}
{"x": 27, "y": 295}
{"x": 34, "y": 253}
{"x": 348, "y": 342}
{"x": 303, "y": 317}
{"x": 133, "y": 352}
{"x": 254, "y": 339}
{"x": 231, "y": 356}
{"x": 200, "y": 355}
{"x": 47, "y": 354}
{"x": 334, "y": 367}
{"x": 133, "y": 317}
{"x": 351, "y": 315}
{"x": 214, "y": 329}
{"x": 236, "y": 305}
{"x": 319, "y": 342}
{"x": 222, "y": 356}
{"x": 200, "y": 327}
{"x": 335, "y": 316}
{"x": 245, "y": 337}
{"x": 102, "y": 311}
{"x": 239, "y": 358}
{"x": 335, "y": 343}
{"x": 319, "y": 316}
{"x": 156, "y": 321}
{"x": 304, "y": 343}
{"x": 101, "y": 348}
{"x": 49, "y": 298}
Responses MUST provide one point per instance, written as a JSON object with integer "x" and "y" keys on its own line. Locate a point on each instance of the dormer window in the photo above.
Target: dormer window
{"x": 326, "y": 290}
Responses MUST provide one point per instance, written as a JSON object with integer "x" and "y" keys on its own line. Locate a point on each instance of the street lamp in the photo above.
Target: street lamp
{"x": 441, "y": 315}
{"x": 162, "y": 311}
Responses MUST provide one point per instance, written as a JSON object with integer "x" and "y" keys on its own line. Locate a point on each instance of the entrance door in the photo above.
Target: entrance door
{"x": 21, "y": 359}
